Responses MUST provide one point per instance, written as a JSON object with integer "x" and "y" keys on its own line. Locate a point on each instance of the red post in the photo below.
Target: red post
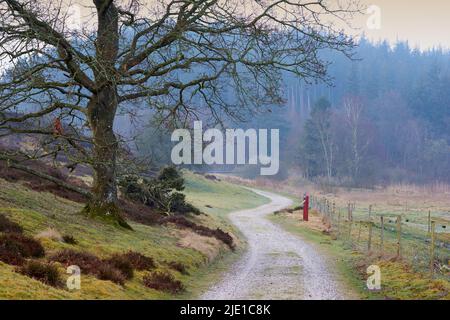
{"x": 305, "y": 208}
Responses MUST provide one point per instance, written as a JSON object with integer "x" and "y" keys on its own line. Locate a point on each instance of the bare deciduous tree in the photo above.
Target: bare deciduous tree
{"x": 164, "y": 54}
{"x": 322, "y": 120}
{"x": 354, "y": 108}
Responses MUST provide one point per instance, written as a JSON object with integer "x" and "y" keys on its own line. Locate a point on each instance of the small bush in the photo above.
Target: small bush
{"x": 171, "y": 178}
{"x": 158, "y": 193}
{"x": 11, "y": 257}
{"x": 163, "y": 281}
{"x": 108, "y": 272}
{"x": 18, "y": 244}
{"x": 179, "y": 205}
{"x": 116, "y": 269}
{"x": 44, "y": 272}
{"x": 87, "y": 262}
{"x": 139, "y": 261}
{"x": 69, "y": 239}
{"x": 121, "y": 263}
{"x": 178, "y": 266}
{"x": 7, "y": 225}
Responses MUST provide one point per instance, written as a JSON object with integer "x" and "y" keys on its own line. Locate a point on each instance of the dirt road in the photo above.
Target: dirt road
{"x": 277, "y": 264}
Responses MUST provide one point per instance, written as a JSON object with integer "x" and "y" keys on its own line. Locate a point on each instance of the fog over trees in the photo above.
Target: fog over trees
{"x": 385, "y": 118}
{"x": 382, "y": 117}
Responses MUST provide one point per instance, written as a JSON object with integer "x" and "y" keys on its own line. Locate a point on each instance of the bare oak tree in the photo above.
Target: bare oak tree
{"x": 183, "y": 58}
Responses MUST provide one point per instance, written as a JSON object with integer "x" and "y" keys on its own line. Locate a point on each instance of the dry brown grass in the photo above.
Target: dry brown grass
{"x": 435, "y": 196}
{"x": 428, "y": 189}
{"x": 208, "y": 246}
{"x": 51, "y": 234}
{"x": 316, "y": 222}
{"x": 395, "y": 199}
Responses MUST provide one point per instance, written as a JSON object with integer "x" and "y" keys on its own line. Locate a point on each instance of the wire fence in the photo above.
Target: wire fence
{"x": 420, "y": 238}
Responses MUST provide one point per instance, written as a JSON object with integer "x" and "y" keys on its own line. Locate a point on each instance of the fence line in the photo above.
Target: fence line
{"x": 394, "y": 235}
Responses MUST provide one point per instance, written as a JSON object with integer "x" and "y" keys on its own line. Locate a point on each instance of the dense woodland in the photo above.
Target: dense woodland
{"x": 381, "y": 117}
{"x": 386, "y": 119}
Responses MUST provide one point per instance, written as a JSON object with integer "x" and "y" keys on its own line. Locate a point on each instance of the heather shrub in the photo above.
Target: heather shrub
{"x": 163, "y": 281}
{"x": 218, "y": 233}
{"x": 18, "y": 244}
{"x": 139, "y": 261}
{"x": 45, "y": 272}
{"x": 108, "y": 272}
{"x": 116, "y": 269}
{"x": 11, "y": 257}
{"x": 87, "y": 262}
{"x": 121, "y": 263}
{"x": 7, "y": 225}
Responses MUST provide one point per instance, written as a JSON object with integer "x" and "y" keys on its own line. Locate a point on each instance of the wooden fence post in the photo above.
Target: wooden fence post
{"x": 339, "y": 224}
{"x": 359, "y": 232}
{"x": 349, "y": 212}
{"x": 369, "y": 243}
{"x": 432, "y": 245}
{"x": 429, "y": 222}
{"x": 350, "y": 232}
{"x": 382, "y": 235}
{"x": 333, "y": 213}
{"x": 399, "y": 236}
{"x": 370, "y": 211}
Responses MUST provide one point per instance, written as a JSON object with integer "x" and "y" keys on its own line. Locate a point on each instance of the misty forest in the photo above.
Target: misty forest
{"x": 380, "y": 117}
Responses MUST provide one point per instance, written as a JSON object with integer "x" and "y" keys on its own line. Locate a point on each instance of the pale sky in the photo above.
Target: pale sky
{"x": 424, "y": 24}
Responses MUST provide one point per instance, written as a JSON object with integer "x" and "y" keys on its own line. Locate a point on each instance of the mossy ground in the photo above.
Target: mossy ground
{"x": 39, "y": 211}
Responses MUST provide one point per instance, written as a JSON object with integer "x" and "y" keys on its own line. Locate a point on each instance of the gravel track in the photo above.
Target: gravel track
{"x": 277, "y": 264}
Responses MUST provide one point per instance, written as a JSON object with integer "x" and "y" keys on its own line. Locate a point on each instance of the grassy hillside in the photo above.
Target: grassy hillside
{"x": 42, "y": 215}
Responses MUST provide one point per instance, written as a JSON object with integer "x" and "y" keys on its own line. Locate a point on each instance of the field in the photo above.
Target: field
{"x": 42, "y": 214}
{"x": 412, "y": 223}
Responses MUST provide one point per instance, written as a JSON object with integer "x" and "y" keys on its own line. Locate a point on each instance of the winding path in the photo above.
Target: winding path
{"x": 277, "y": 264}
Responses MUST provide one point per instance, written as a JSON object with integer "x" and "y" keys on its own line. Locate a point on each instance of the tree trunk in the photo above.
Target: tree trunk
{"x": 102, "y": 111}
